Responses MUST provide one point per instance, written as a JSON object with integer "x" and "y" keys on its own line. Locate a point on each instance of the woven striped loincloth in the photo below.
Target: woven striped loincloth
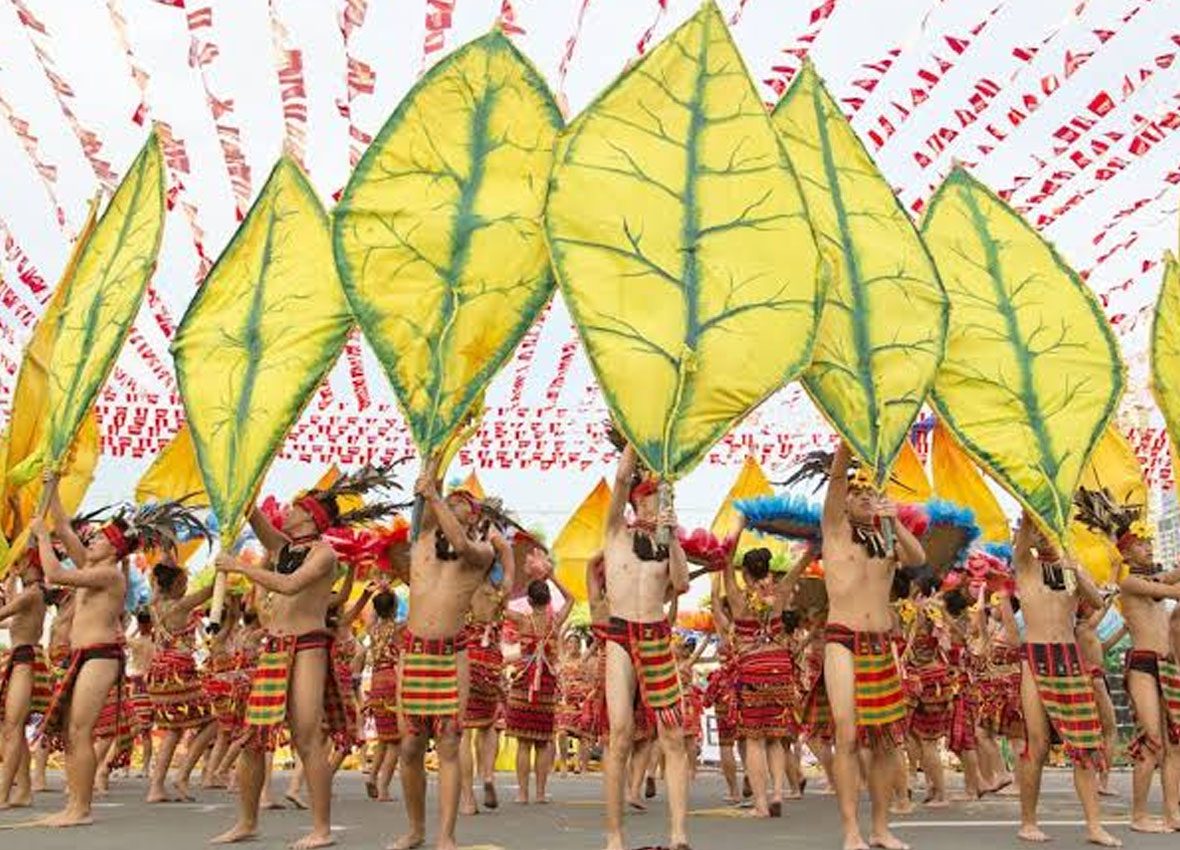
{"x": 1067, "y": 696}
{"x": 430, "y": 684}
{"x": 650, "y": 648}
{"x": 1164, "y": 670}
{"x": 266, "y": 707}
{"x": 34, "y": 657}
{"x": 880, "y": 700}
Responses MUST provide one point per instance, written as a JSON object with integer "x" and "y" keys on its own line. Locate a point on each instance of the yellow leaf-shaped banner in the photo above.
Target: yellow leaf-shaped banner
{"x": 438, "y": 235}
{"x": 883, "y": 326}
{"x": 908, "y": 481}
{"x": 26, "y": 427}
{"x": 1115, "y": 467}
{"x": 73, "y": 482}
{"x": 580, "y": 540}
{"x": 1165, "y": 350}
{"x": 174, "y": 474}
{"x": 682, "y": 246}
{"x": 262, "y": 332}
{"x": 1032, "y": 373}
{"x": 114, "y": 267}
{"x": 957, "y": 480}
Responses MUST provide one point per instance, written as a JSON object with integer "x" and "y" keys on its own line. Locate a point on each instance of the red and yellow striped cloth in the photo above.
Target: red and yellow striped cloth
{"x": 1067, "y": 695}
{"x": 430, "y": 677}
{"x": 34, "y": 656}
{"x": 650, "y": 648}
{"x": 266, "y": 708}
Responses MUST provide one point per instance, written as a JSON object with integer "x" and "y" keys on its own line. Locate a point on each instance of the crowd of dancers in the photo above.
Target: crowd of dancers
{"x": 899, "y": 667}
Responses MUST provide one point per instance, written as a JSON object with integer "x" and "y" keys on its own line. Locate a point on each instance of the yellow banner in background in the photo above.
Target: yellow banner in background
{"x": 581, "y": 539}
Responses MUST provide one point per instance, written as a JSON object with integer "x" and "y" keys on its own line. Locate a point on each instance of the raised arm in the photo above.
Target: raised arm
{"x": 836, "y": 500}
{"x": 677, "y": 566}
{"x": 55, "y": 573}
{"x": 269, "y": 536}
{"x": 506, "y": 556}
{"x": 350, "y": 616}
{"x": 196, "y": 599}
{"x": 20, "y": 602}
{"x": 63, "y": 527}
{"x": 475, "y": 552}
{"x": 1008, "y": 620}
{"x": 1089, "y": 591}
{"x": 786, "y": 585}
{"x": 908, "y": 549}
{"x": 345, "y": 591}
{"x": 1133, "y": 584}
{"x": 567, "y": 604}
{"x": 318, "y": 564}
{"x": 616, "y": 516}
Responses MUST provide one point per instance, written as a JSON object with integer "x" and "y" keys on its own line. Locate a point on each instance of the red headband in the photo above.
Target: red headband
{"x": 1128, "y": 539}
{"x": 116, "y": 538}
{"x": 317, "y": 512}
{"x": 644, "y": 488}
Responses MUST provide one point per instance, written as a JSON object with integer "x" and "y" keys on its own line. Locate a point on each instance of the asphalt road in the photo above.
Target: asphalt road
{"x": 572, "y": 822}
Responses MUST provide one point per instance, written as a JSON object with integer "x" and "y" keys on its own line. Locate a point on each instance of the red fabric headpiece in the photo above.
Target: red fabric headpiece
{"x": 317, "y": 512}
{"x": 1129, "y": 538}
{"x": 116, "y": 538}
{"x": 644, "y": 488}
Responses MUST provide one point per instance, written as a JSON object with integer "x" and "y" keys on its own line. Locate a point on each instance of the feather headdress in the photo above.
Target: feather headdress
{"x": 155, "y": 525}
{"x": 817, "y": 466}
{"x": 1099, "y": 511}
{"x": 324, "y": 504}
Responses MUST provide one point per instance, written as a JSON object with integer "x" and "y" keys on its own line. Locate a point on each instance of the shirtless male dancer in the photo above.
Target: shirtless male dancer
{"x": 448, "y": 563}
{"x": 641, "y": 574}
{"x": 24, "y": 683}
{"x": 858, "y": 655}
{"x": 1055, "y": 686}
{"x": 96, "y": 643}
{"x": 1152, "y": 679}
{"x": 292, "y": 667}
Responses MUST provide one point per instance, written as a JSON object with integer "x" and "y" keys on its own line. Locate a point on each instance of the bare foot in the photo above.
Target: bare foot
{"x": 636, "y": 804}
{"x": 468, "y": 808}
{"x": 521, "y": 799}
{"x": 408, "y": 841}
{"x": 962, "y": 797}
{"x": 1106, "y": 792}
{"x": 1148, "y": 824}
{"x": 731, "y": 799}
{"x": 371, "y": 789}
{"x": 384, "y": 798}
{"x": 490, "y": 800}
{"x": 1172, "y": 823}
{"x": 888, "y": 841}
{"x": 65, "y": 819}
{"x": 936, "y": 803}
{"x": 1098, "y": 835}
{"x": 271, "y": 805}
{"x": 313, "y": 840}
{"x": 22, "y": 800}
{"x": 1034, "y": 834}
{"x": 239, "y": 832}
{"x": 159, "y": 795}
{"x": 180, "y": 791}
{"x": 855, "y": 842}
{"x": 296, "y": 801}
{"x": 902, "y": 807}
